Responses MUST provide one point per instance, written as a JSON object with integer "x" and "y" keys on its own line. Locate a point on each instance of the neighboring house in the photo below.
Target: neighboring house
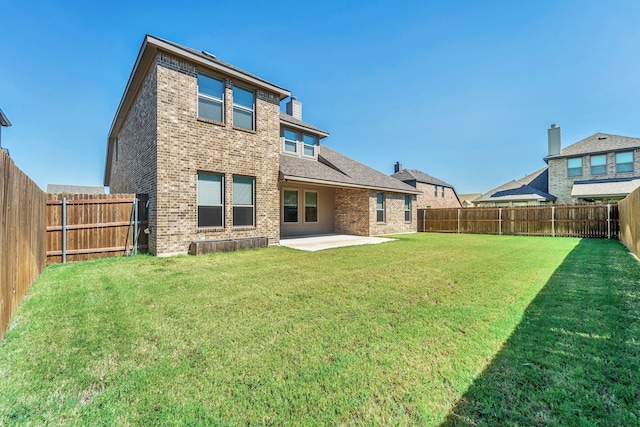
{"x": 218, "y": 159}
{"x": 73, "y": 189}
{"x": 528, "y": 191}
{"x": 435, "y": 193}
{"x": 467, "y": 200}
{"x": 4, "y": 122}
{"x": 600, "y": 168}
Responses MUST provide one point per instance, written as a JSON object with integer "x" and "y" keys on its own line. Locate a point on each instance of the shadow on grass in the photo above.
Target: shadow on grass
{"x": 574, "y": 359}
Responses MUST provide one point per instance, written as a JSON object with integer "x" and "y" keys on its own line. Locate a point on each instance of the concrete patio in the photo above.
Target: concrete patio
{"x": 318, "y": 243}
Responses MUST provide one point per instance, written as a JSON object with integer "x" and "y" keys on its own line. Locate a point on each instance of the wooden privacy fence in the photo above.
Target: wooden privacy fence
{"x": 598, "y": 221}
{"x": 87, "y": 226}
{"x": 630, "y": 221}
{"x": 22, "y": 237}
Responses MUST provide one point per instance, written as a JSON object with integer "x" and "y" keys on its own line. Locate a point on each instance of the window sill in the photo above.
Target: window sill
{"x": 211, "y": 122}
{"x": 243, "y": 227}
{"x": 209, "y": 229}
{"x": 244, "y": 130}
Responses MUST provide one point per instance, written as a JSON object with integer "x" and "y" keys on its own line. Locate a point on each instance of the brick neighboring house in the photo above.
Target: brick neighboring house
{"x": 435, "y": 193}
{"x": 218, "y": 159}
{"x": 600, "y": 168}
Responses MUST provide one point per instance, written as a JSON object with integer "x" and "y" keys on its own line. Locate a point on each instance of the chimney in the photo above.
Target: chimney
{"x": 294, "y": 108}
{"x": 555, "y": 139}
{"x": 397, "y": 167}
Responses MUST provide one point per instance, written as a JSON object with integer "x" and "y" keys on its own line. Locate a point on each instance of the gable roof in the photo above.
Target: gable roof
{"x": 414, "y": 174}
{"x": 617, "y": 187}
{"x": 146, "y": 56}
{"x": 534, "y": 186}
{"x": 336, "y": 169}
{"x": 294, "y": 123}
{"x": 3, "y": 120}
{"x": 598, "y": 143}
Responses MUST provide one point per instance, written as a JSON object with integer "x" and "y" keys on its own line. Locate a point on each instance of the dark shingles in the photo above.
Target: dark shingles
{"x": 532, "y": 187}
{"x": 598, "y": 143}
{"x": 414, "y": 174}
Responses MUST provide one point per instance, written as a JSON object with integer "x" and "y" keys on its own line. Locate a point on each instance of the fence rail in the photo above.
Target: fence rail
{"x": 22, "y": 237}
{"x": 83, "y": 226}
{"x": 597, "y": 221}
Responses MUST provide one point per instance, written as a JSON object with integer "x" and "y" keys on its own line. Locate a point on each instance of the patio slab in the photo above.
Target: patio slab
{"x": 319, "y": 243}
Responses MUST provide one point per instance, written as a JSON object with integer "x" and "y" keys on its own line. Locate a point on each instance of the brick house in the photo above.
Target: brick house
{"x": 600, "y": 168}
{"x": 208, "y": 144}
{"x": 435, "y": 192}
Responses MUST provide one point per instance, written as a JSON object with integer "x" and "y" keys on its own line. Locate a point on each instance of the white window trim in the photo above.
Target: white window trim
{"x": 384, "y": 207}
{"x": 242, "y": 107}
{"x": 212, "y": 98}
{"x": 253, "y": 205}
{"x": 632, "y": 162}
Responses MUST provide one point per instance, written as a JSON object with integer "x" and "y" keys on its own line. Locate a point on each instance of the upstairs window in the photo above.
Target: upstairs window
{"x": 290, "y": 206}
{"x": 443, "y": 191}
{"x": 574, "y": 166}
{"x": 210, "y": 98}
{"x": 599, "y": 164}
{"x": 309, "y": 145}
{"x": 407, "y": 207}
{"x": 210, "y": 207}
{"x": 380, "y": 207}
{"x": 435, "y": 190}
{"x": 310, "y": 206}
{"x": 624, "y": 162}
{"x": 244, "y": 108}
{"x": 290, "y": 138}
{"x": 243, "y": 196}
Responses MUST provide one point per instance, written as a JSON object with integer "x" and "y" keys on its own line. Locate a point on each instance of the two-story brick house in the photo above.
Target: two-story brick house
{"x": 208, "y": 144}
{"x": 435, "y": 192}
{"x": 600, "y": 168}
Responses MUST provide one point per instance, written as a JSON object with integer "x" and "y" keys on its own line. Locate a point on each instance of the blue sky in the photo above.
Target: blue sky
{"x": 461, "y": 90}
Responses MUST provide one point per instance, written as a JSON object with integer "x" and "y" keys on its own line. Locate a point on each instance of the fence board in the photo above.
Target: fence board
{"x": 597, "y": 220}
{"x": 97, "y": 226}
{"x": 22, "y": 237}
{"x": 630, "y": 222}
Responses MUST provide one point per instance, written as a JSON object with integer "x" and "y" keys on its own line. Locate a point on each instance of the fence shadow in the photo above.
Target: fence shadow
{"x": 574, "y": 358}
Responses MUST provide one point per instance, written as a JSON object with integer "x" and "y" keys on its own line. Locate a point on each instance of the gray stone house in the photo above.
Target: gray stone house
{"x": 207, "y": 142}
{"x": 435, "y": 192}
{"x": 600, "y": 168}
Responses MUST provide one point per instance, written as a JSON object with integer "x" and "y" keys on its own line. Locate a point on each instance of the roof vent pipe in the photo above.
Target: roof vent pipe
{"x": 555, "y": 139}
{"x": 397, "y": 167}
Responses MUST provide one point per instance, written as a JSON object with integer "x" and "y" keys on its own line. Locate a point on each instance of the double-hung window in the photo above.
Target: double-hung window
{"x": 243, "y": 201}
{"x": 244, "y": 108}
{"x": 624, "y": 162}
{"x": 599, "y": 164}
{"x": 443, "y": 191}
{"x": 290, "y": 207}
{"x": 407, "y": 207}
{"x": 310, "y": 206}
{"x": 290, "y": 141}
{"x": 210, "y": 98}
{"x": 435, "y": 190}
{"x": 309, "y": 145}
{"x": 574, "y": 166}
{"x": 380, "y": 207}
{"x": 210, "y": 199}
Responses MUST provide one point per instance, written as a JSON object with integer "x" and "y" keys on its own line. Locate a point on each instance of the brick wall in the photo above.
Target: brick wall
{"x": 351, "y": 215}
{"x": 394, "y": 215}
{"x": 133, "y": 163}
{"x": 428, "y": 200}
{"x": 560, "y": 184}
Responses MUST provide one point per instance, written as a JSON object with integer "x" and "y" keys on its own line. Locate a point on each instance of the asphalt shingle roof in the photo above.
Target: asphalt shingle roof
{"x": 73, "y": 189}
{"x": 335, "y": 168}
{"x": 605, "y": 187}
{"x": 598, "y": 143}
{"x": 534, "y": 186}
{"x": 414, "y": 174}
{"x": 287, "y": 119}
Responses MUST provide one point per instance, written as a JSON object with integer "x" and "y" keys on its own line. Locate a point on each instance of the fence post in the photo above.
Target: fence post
{"x": 135, "y": 225}
{"x": 64, "y": 230}
{"x": 424, "y": 220}
{"x": 500, "y": 221}
{"x": 608, "y": 220}
{"x": 458, "y": 220}
{"x": 553, "y": 221}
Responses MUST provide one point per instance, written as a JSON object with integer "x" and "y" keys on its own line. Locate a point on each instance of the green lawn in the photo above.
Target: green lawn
{"x": 460, "y": 329}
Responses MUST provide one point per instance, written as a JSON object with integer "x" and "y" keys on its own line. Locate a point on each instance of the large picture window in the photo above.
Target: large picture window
{"x": 407, "y": 207}
{"x": 380, "y": 207}
{"x": 624, "y": 162}
{"x": 574, "y": 166}
{"x": 243, "y": 201}
{"x": 210, "y": 199}
{"x": 290, "y": 202}
{"x": 244, "y": 108}
{"x": 310, "y": 206}
{"x": 210, "y": 98}
{"x": 599, "y": 164}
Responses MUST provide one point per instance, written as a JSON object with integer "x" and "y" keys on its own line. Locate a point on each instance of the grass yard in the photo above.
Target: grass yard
{"x": 430, "y": 329}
